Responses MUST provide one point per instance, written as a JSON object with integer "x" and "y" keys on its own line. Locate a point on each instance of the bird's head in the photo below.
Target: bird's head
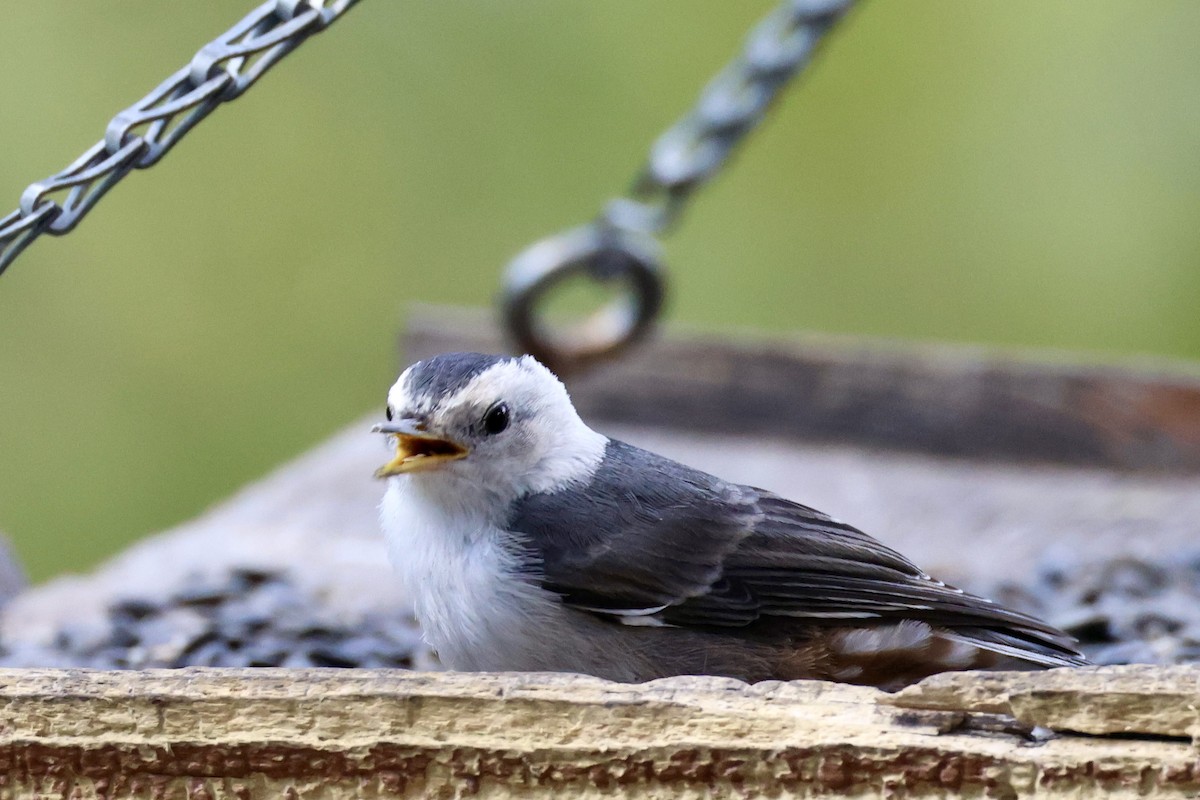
{"x": 503, "y": 423}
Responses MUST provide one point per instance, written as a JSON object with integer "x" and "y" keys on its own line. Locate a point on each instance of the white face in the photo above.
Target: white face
{"x": 518, "y": 425}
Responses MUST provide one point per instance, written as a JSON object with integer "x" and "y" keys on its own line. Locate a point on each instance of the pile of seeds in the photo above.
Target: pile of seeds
{"x": 1123, "y": 611}
{"x": 247, "y": 619}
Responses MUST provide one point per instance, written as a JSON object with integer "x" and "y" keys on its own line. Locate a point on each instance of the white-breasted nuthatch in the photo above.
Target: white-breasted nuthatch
{"x": 531, "y": 542}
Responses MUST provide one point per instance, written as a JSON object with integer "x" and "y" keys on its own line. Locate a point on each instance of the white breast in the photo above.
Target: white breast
{"x": 464, "y": 575}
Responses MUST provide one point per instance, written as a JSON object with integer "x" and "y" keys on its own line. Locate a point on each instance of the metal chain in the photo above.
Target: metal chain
{"x": 620, "y": 245}
{"x": 143, "y": 133}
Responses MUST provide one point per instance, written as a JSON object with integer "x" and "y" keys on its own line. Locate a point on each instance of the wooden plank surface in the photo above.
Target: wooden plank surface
{"x": 948, "y": 401}
{"x": 333, "y": 734}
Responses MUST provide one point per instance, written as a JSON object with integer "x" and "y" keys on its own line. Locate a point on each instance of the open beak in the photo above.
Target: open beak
{"x": 416, "y": 450}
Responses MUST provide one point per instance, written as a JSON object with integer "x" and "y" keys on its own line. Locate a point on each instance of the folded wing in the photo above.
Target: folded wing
{"x": 653, "y": 542}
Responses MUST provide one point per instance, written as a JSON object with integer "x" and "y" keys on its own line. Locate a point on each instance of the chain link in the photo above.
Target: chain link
{"x": 143, "y": 133}
{"x": 620, "y": 245}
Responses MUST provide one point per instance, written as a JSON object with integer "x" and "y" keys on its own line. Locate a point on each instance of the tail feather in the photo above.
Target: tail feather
{"x": 1029, "y": 646}
{"x": 893, "y": 656}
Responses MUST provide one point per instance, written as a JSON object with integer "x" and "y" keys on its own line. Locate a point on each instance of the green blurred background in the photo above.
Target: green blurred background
{"x": 1014, "y": 172}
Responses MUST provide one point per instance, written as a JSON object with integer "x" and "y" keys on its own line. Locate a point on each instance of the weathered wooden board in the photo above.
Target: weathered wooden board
{"x": 334, "y": 734}
{"x": 937, "y": 399}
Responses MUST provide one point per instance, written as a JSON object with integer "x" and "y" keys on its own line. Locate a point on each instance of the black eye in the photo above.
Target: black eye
{"x": 496, "y": 419}
{"x": 389, "y": 413}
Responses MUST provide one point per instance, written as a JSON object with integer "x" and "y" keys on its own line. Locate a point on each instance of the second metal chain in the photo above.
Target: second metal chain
{"x": 619, "y": 246}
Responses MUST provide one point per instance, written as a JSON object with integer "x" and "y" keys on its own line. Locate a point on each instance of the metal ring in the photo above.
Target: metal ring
{"x": 605, "y": 255}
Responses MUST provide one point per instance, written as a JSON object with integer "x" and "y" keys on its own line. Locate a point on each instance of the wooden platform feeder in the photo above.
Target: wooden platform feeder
{"x": 970, "y": 462}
